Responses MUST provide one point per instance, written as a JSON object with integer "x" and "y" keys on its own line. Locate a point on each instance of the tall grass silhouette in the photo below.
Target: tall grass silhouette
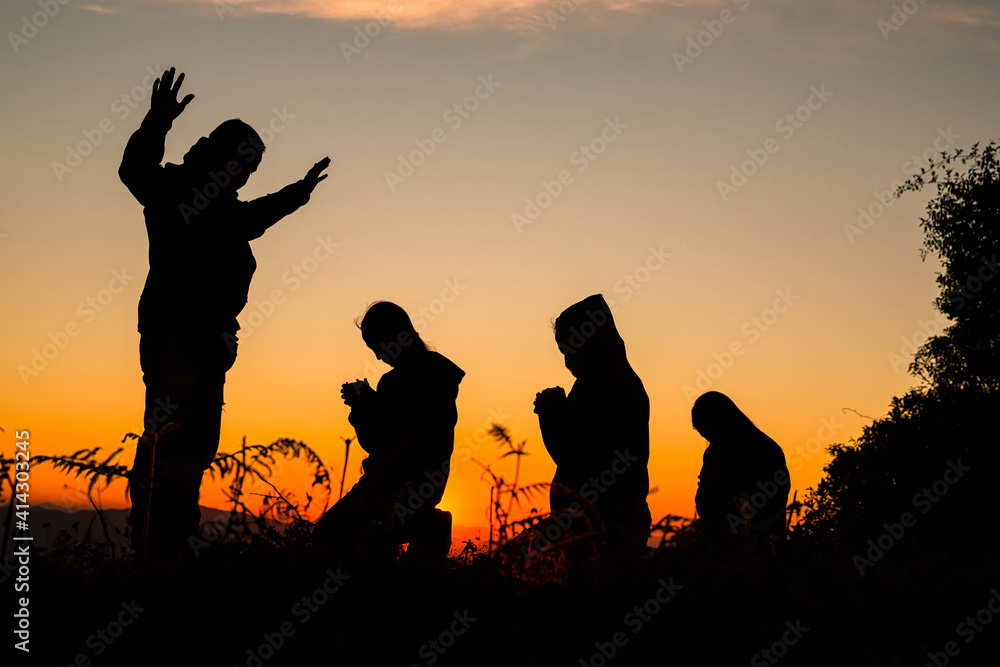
{"x": 277, "y": 508}
{"x": 503, "y": 494}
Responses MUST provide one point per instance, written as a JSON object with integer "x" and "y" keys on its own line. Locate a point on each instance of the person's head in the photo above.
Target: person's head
{"x": 227, "y": 156}
{"x": 586, "y": 335}
{"x": 715, "y": 417}
{"x": 389, "y": 333}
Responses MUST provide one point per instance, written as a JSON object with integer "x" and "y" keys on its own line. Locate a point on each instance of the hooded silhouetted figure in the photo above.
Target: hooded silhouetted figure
{"x": 744, "y": 483}
{"x": 407, "y": 426}
{"x": 200, "y": 266}
{"x": 598, "y": 435}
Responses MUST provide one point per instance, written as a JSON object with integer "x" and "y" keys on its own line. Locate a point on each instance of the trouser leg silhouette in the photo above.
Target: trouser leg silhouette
{"x": 184, "y": 392}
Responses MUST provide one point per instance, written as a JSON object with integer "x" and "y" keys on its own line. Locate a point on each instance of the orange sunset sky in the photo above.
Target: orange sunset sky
{"x": 700, "y": 163}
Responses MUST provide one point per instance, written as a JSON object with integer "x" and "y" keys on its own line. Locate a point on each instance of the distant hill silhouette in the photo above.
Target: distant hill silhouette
{"x": 47, "y": 521}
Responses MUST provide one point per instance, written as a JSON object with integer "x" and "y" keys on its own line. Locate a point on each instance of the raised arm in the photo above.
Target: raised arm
{"x": 140, "y": 165}
{"x": 261, "y": 213}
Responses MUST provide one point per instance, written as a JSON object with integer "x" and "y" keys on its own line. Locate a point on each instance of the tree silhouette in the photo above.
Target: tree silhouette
{"x": 962, "y": 228}
{"x": 946, "y": 423}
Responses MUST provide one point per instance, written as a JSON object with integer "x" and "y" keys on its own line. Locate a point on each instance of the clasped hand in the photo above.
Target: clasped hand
{"x": 548, "y": 399}
{"x": 357, "y": 392}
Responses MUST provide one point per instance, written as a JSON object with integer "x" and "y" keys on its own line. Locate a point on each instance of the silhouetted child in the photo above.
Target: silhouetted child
{"x": 598, "y": 436}
{"x": 200, "y": 266}
{"x": 744, "y": 483}
{"x": 407, "y": 426}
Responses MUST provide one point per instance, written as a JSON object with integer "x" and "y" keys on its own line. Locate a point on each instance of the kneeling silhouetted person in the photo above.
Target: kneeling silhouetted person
{"x": 744, "y": 483}
{"x": 407, "y": 426}
{"x": 598, "y": 436}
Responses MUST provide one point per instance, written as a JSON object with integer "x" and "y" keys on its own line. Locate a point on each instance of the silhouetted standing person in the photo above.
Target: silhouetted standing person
{"x": 744, "y": 483}
{"x": 407, "y": 426}
{"x": 598, "y": 435}
{"x": 200, "y": 267}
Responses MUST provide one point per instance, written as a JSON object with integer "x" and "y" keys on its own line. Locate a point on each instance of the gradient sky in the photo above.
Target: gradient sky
{"x": 561, "y": 74}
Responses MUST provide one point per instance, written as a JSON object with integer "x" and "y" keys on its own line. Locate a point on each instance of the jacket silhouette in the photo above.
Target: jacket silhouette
{"x": 598, "y": 435}
{"x": 744, "y": 482}
{"x": 407, "y": 426}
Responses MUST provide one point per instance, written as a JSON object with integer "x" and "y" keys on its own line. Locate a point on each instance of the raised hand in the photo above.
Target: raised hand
{"x": 313, "y": 175}
{"x": 163, "y": 100}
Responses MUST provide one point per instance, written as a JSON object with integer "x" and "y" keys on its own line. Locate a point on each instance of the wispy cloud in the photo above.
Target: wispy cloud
{"x": 514, "y": 15}
{"x": 101, "y": 9}
{"x": 537, "y": 15}
{"x": 444, "y": 13}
